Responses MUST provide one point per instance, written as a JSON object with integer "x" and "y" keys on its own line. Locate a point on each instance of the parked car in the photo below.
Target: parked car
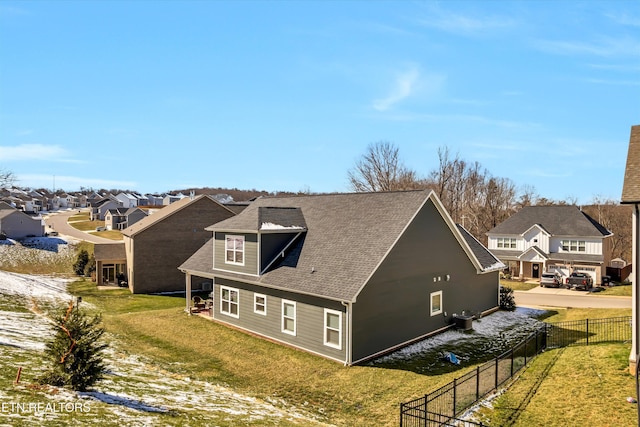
{"x": 101, "y": 228}
{"x": 579, "y": 281}
{"x": 550, "y": 280}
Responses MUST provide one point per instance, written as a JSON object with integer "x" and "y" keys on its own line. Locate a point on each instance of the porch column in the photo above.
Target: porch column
{"x": 187, "y": 278}
{"x": 521, "y": 271}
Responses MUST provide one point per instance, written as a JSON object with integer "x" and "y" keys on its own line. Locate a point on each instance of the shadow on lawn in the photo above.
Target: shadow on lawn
{"x": 125, "y": 401}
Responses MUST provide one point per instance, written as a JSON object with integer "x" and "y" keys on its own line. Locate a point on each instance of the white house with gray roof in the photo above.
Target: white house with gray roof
{"x": 345, "y": 276}
{"x": 563, "y": 239}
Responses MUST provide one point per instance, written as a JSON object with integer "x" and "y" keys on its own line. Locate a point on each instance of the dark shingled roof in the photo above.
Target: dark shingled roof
{"x": 487, "y": 259}
{"x": 631, "y": 186}
{"x": 345, "y": 238}
{"x": 109, "y": 251}
{"x": 556, "y": 220}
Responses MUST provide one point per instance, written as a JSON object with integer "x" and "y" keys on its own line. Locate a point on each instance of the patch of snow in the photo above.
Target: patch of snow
{"x": 272, "y": 226}
{"x": 135, "y": 391}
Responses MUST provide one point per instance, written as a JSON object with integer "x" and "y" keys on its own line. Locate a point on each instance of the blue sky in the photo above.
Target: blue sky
{"x": 286, "y": 96}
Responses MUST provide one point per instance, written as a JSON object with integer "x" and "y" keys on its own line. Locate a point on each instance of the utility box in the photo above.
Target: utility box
{"x": 464, "y": 322}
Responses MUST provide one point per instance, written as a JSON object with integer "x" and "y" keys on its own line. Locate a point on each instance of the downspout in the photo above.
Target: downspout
{"x": 347, "y": 306}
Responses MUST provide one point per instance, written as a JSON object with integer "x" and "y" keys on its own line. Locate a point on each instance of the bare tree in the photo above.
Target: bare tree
{"x": 7, "y": 178}
{"x": 617, "y": 219}
{"x": 380, "y": 169}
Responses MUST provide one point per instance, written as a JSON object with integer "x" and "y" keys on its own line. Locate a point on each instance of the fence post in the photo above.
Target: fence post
{"x": 455, "y": 389}
{"x": 478, "y": 383}
{"x": 496, "y": 376}
{"x": 587, "y": 331}
{"x": 426, "y": 416}
{"x": 512, "y": 357}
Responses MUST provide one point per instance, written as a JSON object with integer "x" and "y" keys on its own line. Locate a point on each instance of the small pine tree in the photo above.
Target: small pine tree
{"x": 75, "y": 352}
{"x": 90, "y": 267}
{"x": 507, "y": 300}
{"x": 81, "y": 262}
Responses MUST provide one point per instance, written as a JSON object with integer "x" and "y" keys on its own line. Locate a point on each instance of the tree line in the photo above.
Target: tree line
{"x": 474, "y": 197}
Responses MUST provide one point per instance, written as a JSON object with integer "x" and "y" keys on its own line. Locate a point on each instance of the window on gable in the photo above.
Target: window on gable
{"x": 229, "y": 301}
{"x": 234, "y": 250}
{"x": 436, "y": 303}
{"x": 289, "y": 317}
{"x": 333, "y": 328}
{"x": 260, "y": 304}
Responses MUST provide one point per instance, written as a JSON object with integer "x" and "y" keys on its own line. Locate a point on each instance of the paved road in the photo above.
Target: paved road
{"x": 58, "y": 221}
{"x": 552, "y": 297}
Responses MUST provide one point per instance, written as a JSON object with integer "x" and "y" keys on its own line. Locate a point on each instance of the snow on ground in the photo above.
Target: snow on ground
{"x": 488, "y": 332}
{"x": 35, "y": 250}
{"x": 135, "y": 391}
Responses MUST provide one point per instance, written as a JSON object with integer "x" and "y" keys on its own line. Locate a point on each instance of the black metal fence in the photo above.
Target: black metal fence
{"x": 442, "y": 406}
{"x": 589, "y": 331}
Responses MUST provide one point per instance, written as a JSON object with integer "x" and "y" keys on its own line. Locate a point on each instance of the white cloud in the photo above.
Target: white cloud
{"x": 35, "y": 152}
{"x": 465, "y": 24}
{"x": 408, "y": 84}
{"x": 605, "y": 47}
{"x": 403, "y": 87}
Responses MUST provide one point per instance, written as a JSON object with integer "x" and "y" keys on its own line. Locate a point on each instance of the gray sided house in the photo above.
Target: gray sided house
{"x": 121, "y": 218}
{"x": 345, "y": 276}
{"x": 16, "y": 224}
{"x": 563, "y": 239}
{"x": 158, "y": 244}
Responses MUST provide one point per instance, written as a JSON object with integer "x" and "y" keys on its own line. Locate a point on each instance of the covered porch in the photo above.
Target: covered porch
{"x": 199, "y": 295}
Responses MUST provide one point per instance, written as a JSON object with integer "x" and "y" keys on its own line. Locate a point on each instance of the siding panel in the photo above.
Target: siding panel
{"x": 309, "y": 317}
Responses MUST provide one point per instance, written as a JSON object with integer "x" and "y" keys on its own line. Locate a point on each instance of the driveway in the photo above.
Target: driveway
{"x": 560, "y": 297}
{"x": 58, "y": 221}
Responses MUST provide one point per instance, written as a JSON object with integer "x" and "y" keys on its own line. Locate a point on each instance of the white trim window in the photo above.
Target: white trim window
{"x": 260, "y": 304}
{"x": 230, "y": 301}
{"x": 234, "y": 250}
{"x": 574, "y": 245}
{"x": 436, "y": 303}
{"x": 289, "y": 317}
{"x": 333, "y": 328}
{"x": 506, "y": 242}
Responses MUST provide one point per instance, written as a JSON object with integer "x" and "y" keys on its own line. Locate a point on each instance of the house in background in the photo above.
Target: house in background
{"x": 16, "y": 224}
{"x": 345, "y": 276}
{"x": 111, "y": 263}
{"x": 551, "y": 238}
{"x": 158, "y": 244}
{"x": 631, "y": 196}
{"x": 121, "y": 218}
{"x": 100, "y": 208}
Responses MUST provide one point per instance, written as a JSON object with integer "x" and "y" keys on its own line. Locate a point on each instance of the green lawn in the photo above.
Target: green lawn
{"x": 174, "y": 345}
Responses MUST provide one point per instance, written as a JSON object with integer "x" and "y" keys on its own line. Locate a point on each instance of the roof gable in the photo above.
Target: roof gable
{"x": 555, "y": 220}
{"x": 165, "y": 212}
{"x": 631, "y": 186}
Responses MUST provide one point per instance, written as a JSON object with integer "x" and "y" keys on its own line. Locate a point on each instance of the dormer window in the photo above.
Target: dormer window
{"x": 234, "y": 250}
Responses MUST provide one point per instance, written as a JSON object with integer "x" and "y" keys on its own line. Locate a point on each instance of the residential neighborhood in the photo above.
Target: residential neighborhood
{"x": 320, "y": 213}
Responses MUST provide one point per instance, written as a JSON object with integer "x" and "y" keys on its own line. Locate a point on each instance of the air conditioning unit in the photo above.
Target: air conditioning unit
{"x": 206, "y": 286}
